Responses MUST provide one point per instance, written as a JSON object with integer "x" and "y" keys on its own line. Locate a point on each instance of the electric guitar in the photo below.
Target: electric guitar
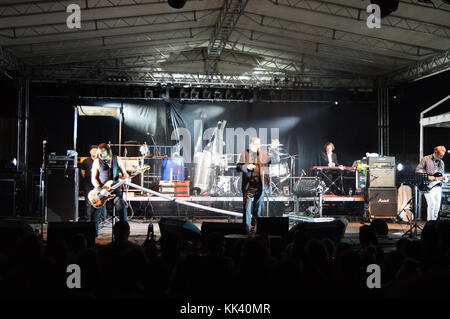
{"x": 99, "y": 198}
{"x": 438, "y": 178}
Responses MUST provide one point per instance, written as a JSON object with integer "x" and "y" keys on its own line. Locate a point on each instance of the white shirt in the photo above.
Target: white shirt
{"x": 330, "y": 160}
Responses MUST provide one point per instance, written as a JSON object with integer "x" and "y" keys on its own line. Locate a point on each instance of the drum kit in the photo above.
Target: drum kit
{"x": 231, "y": 185}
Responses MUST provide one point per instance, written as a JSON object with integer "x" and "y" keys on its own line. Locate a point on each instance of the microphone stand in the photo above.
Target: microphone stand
{"x": 42, "y": 191}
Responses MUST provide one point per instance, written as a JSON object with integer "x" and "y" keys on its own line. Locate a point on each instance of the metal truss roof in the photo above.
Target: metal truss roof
{"x": 253, "y": 43}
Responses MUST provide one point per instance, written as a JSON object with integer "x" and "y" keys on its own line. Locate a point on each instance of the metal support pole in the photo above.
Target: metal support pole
{"x": 26, "y": 142}
{"x": 19, "y": 122}
{"x": 75, "y": 162}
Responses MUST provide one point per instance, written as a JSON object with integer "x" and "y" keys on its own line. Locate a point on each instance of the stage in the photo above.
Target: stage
{"x": 139, "y": 228}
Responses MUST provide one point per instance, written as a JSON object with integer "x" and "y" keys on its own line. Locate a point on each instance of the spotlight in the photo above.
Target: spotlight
{"x": 217, "y": 95}
{"x": 400, "y": 167}
{"x": 240, "y": 95}
{"x": 336, "y": 102}
{"x": 184, "y": 93}
{"x": 195, "y": 94}
{"x": 177, "y": 4}
{"x": 14, "y": 161}
{"x": 229, "y": 94}
{"x": 395, "y": 97}
{"x": 148, "y": 93}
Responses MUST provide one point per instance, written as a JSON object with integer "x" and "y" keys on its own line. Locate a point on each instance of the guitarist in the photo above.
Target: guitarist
{"x": 431, "y": 165}
{"x": 105, "y": 168}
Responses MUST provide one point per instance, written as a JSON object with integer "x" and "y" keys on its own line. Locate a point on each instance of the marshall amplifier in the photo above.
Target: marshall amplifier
{"x": 381, "y": 162}
{"x": 381, "y": 177}
{"x": 382, "y": 202}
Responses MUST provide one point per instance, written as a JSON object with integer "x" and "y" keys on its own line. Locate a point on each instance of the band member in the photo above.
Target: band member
{"x": 109, "y": 167}
{"x": 327, "y": 157}
{"x": 86, "y": 167}
{"x": 432, "y": 164}
{"x": 254, "y": 164}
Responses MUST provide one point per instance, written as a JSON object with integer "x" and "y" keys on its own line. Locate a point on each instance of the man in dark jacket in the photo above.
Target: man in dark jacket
{"x": 254, "y": 165}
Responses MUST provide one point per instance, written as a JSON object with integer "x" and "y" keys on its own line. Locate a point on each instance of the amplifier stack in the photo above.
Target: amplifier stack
{"x": 61, "y": 194}
{"x": 382, "y": 191}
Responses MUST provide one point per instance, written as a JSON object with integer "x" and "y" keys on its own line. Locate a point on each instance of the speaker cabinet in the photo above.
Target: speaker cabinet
{"x": 273, "y": 226}
{"x": 187, "y": 233}
{"x": 382, "y": 202}
{"x": 222, "y": 228}
{"x": 66, "y": 231}
{"x": 381, "y": 177}
{"x": 333, "y": 230}
{"x": 61, "y": 194}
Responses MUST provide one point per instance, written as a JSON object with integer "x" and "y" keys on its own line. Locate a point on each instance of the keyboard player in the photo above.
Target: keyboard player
{"x": 328, "y": 157}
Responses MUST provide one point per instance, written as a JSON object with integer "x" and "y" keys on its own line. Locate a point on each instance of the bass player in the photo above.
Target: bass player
{"x": 105, "y": 168}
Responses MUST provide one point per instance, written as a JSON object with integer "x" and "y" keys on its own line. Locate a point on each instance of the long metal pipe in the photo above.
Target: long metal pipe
{"x": 183, "y": 202}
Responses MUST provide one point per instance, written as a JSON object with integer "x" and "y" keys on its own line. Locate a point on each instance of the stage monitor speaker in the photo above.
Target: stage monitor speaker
{"x": 67, "y": 230}
{"x": 7, "y": 197}
{"x": 222, "y": 228}
{"x": 382, "y": 202}
{"x": 187, "y": 233}
{"x": 333, "y": 230}
{"x": 10, "y": 233}
{"x": 273, "y": 226}
{"x": 61, "y": 194}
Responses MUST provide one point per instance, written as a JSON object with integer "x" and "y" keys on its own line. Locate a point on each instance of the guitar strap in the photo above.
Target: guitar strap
{"x": 116, "y": 169}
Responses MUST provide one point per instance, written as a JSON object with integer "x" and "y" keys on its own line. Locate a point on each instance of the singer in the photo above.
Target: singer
{"x": 254, "y": 165}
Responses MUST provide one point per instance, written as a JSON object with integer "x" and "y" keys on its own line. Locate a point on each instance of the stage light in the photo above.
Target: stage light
{"x": 207, "y": 94}
{"x": 386, "y": 6}
{"x": 336, "y": 102}
{"x": 217, "y": 95}
{"x": 14, "y": 161}
{"x": 400, "y": 167}
{"x": 229, "y": 95}
{"x": 184, "y": 94}
{"x": 195, "y": 94}
{"x": 240, "y": 95}
{"x": 395, "y": 97}
{"x": 148, "y": 93}
{"x": 177, "y": 4}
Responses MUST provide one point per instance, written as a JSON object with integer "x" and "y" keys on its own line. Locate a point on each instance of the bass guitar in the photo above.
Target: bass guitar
{"x": 99, "y": 198}
{"x": 436, "y": 181}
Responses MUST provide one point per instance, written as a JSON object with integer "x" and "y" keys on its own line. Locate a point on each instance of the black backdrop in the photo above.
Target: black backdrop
{"x": 303, "y": 128}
